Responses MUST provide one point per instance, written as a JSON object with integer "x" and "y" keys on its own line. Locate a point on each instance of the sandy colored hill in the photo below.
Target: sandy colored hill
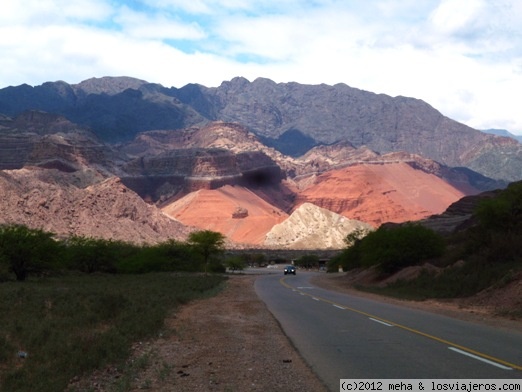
{"x": 47, "y": 199}
{"x": 379, "y": 193}
{"x": 312, "y": 227}
{"x": 234, "y": 211}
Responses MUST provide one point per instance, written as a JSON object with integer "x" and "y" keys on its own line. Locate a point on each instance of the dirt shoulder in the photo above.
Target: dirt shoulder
{"x": 230, "y": 342}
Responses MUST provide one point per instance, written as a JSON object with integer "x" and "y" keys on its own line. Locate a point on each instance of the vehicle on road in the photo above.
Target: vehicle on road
{"x": 289, "y": 269}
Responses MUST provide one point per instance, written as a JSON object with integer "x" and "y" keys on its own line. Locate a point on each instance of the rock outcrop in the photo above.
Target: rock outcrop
{"x": 379, "y": 192}
{"x": 48, "y": 140}
{"x": 291, "y": 117}
{"x": 183, "y": 171}
{"x": 235, "y": 211}
{"x": 313, "y": 227}
{"x": 47, "y": 199}
{"x": 169, "y": 163}
{"x": 458, "y": 216}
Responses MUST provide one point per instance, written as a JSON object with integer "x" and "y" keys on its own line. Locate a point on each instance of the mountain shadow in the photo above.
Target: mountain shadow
{"x": 293, "y": 143}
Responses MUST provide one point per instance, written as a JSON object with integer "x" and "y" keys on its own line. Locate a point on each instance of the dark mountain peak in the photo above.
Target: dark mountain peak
{"x": 108, "y": 85}
{"x": 264, "y": 81}
{"x": 236, "y": 83}
{"x": 293, "y": 117}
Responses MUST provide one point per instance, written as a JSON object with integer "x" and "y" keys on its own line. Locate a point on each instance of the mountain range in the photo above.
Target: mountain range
{"x": 126, "y": 159}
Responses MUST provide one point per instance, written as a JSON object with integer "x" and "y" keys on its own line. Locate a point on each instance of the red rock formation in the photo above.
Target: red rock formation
{"x": 213, "y": 209}
{"x": 378, "y": 193}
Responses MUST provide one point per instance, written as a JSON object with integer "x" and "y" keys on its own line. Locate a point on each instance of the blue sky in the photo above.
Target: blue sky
{"x": 464, "y": 57}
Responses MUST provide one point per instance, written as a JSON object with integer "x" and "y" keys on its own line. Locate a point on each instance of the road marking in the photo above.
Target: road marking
{"x": 381, "y": 322}
{"x": 480, "y": 358}
{"x": 315, "y": 299}
{"x": 490, "y": 358}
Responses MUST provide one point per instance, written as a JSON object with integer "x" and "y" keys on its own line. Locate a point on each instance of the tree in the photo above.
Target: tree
{"x": 235, "y": 264}
{"x": 398, "y": 247}
{"x": 307, "y": 261}
{"x": 93, "y": 254}
{"x": 355, "y": 235}
{"x": 390, "y": 249}
{"x": 208, "y": 244}
{"x": 503, "y": 212}
{"x": 26, "y": 250}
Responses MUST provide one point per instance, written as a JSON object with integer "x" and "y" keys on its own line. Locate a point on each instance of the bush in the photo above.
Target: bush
{"x": 167, "y": 256}
{"x": 391, "y": 248}
{"x": 209, "y": 245}
{"x": 454, "y": 282}
{"x": 498, "y": 236}
{"x": 94, "y": 254}
{"x": 72, "y": 325}
{"x": 235, "y": 263}
{"x": 308, "y": 261}
{"x": 24, "y": 251}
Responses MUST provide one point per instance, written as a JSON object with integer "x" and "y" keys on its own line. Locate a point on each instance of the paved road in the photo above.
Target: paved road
{"x": 343, "y": 336}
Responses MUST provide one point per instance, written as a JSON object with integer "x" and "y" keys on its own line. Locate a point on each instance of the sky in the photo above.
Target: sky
{"x": 463, "y": 57}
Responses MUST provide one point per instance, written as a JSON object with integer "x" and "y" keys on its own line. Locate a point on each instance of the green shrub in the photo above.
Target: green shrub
{"x": 72, "y": 325}
{"x": 391, "y": 248}
{"x": 25, "y": 251}
{"x": 454, "y": 282}
{"x": 308, "y": 261}
{"x": 236, "y": 263}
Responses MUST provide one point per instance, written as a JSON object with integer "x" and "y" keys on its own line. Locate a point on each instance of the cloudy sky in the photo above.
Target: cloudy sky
{"x": 464, "y": 57}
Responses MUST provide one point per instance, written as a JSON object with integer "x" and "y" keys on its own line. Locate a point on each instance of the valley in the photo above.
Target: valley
{"x": 179, "y": 164}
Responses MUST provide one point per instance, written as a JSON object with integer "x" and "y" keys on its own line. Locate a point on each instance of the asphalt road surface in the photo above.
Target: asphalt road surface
{"x": 350, "y": 337}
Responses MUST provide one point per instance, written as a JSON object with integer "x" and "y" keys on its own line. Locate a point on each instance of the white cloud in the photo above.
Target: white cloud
{"x": 157, "y": 26}
{"x": 457, "y": 16}
{"x": 45, "y": 12}
{"x": 462, "y": 57}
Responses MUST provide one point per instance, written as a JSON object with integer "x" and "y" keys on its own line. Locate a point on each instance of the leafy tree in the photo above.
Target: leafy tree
{"x": 391, "y": 248}
{"x": 94, "y": 254}
{"x": 398, "y": 247}
{"x": 498, "y": 236}
{"x": 26, "y": 250}
{"x": 235, "y": 264}
{"x": 208, "y": 244}
{"x": 355, "y": 236}
{"x": 257, "y": 259}
{"x": 174, "y": 255}
{"x": 503, "y": 212}
{"x": 350, "y": 257}
{"x": 307, "y": 261}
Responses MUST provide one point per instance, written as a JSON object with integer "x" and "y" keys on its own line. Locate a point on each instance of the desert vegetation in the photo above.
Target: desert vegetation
{"x": 79, "y": 304}
{"x": 485, "y": 255}
{"x": 28, "y": 252}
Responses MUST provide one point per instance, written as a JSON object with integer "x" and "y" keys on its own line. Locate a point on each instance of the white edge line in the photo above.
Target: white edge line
{"x": 340, "y": 307}
{"x": 315, "y": 299}
{"x": 480, "y": 359}
{"x": 380, "y": 322}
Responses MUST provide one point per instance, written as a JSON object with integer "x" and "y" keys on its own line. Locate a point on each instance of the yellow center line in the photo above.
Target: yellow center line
{"x": 415, "y": 331}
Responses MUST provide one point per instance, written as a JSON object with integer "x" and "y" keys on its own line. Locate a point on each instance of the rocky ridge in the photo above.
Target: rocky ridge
{"x": 219, "y": 168}
{"x": 237, "y": 212}
{"x": 312, "y": 227}
{"x": 46, "y": 199}
{"x": 291, "y": 117}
